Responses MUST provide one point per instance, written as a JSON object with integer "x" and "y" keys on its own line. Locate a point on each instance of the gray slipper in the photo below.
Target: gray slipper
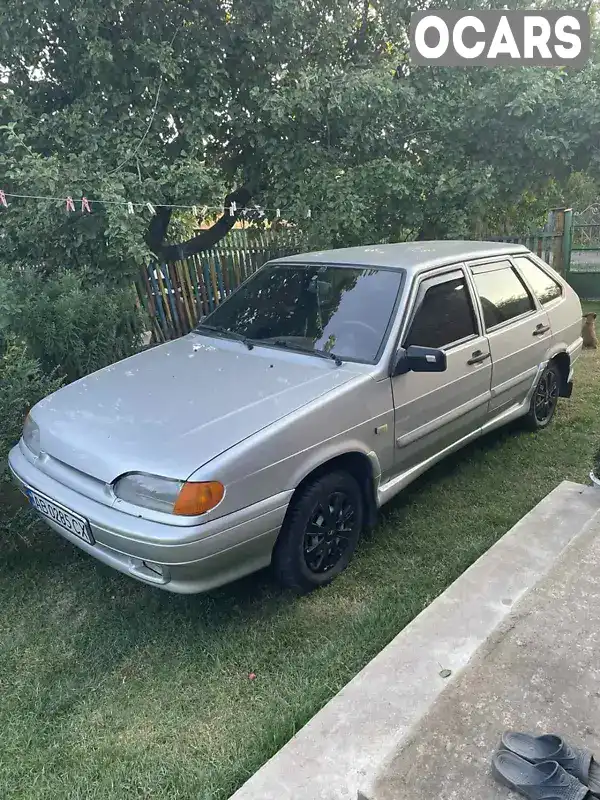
{"x": 576, "y": 761}
{"x": 545, "y": 781}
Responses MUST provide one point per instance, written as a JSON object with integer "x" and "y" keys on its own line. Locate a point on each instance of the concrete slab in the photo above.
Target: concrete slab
{"x": 351, "y": 746}
{"x": 539, "y": 672}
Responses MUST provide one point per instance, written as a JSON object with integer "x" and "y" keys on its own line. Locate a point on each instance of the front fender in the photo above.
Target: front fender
{"x": 277, "y": 459}
{"x": 331, "y": 450}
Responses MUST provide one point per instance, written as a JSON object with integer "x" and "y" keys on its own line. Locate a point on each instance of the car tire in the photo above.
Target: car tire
{"x": 320, "y": 532}
{"x": 544, "y": 399}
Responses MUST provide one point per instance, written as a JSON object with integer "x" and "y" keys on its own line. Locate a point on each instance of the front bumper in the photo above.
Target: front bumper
{"x": 182, "y": 560}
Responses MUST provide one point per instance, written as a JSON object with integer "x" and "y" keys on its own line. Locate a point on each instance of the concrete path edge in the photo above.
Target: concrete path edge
{"x": 340, "y": 752}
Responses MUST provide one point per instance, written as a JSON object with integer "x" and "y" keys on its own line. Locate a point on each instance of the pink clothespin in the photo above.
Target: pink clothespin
{"x": 70, "y": 204}
{"x": 3, "y": 199}
{"x": 85, "y": 206}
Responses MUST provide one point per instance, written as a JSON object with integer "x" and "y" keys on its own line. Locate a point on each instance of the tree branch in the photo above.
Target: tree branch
{"x": 357, "y": 42}
{"x": 157, "y": 230}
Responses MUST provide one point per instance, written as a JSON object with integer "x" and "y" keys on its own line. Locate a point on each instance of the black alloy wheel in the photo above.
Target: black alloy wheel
{"x": 320, "y": 532}
{"x": 328, "y": 532}
{"x": 545, "y": 399}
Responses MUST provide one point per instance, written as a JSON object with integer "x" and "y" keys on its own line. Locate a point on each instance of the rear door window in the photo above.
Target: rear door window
{"x": 544, "y": 287}
{"x": 503, "y": 294}
{"x": 444, "y": 316}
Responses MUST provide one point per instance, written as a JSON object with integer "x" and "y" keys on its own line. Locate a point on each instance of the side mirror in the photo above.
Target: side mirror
{"x": 419, "y": 359}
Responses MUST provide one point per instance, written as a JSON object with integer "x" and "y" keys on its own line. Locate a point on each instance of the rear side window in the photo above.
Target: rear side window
{"x": 444, "y": 316}
{"x": 544, "y": 287}
{"x": 503, "y": 295}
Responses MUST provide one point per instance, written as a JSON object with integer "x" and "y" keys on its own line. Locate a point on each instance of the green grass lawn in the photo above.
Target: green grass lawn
{"x": 111, "y": 690}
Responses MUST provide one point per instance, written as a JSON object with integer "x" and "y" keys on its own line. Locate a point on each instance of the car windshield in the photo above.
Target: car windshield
{"x": 343, "y": 311}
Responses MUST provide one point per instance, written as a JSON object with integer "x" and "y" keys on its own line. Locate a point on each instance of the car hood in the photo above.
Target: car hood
{"x": 171, "y": 409}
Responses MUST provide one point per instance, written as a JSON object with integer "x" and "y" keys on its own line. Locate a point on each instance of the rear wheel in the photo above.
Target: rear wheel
{"x": 544, "y": 400}
{"x": 320, "y": 532}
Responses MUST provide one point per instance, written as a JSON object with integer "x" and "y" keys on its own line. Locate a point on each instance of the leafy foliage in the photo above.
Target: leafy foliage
{"x": 580, "y": 191}
{"x": 22, "y": 385}
{"x": 313, "y": 105}
{"x": 71, "y": 322}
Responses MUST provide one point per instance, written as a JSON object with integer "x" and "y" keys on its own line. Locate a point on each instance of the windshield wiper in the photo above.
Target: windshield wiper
{"x": 239, "y": 337}
{"x": 314, "y": 350}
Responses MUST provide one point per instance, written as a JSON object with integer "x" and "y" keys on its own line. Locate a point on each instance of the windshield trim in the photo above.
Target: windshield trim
{"x": 333, "y": 264}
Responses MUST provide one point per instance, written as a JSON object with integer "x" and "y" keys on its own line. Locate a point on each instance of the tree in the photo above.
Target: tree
{"x": 295, "y": 105}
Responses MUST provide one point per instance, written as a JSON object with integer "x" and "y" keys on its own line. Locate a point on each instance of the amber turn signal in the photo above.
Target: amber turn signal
{"x": 198, "y": 498}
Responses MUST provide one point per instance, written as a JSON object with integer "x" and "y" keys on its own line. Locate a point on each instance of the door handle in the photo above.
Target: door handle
{"x": 477, "y": 357}
{"x": 541, "y": 329}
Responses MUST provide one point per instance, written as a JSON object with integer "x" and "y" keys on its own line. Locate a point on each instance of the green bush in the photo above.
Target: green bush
{"x": 22, "y": 385}
{"x": 52, "y": 328}
{"x": 71, "y": 321}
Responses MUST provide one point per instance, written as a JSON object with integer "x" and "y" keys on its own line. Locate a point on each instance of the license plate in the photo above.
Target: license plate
{"x": 72, "y": 523}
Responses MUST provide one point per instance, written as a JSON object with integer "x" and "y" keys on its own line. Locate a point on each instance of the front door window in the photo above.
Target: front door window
{"x": 445, "y": 316}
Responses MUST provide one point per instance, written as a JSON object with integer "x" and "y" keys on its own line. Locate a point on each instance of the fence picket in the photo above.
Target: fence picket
{"x": 187, "y": 268}
{"x": 193, "y": 274}
{"x": 200, "y": 282}
{"x": 236, "y": 268}
{"x": 181, "y": 269}
{"x": 219, "y": 276}
{"x": 174, "y": 297}
{"x": 225, "y": 267}
{"x": 166, "y": 306}
{"x": 207, "y": 283}
{"x": 155, "y": 293}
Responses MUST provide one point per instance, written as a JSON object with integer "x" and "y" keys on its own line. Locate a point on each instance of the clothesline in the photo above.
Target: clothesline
{"x": 131, "y": 205}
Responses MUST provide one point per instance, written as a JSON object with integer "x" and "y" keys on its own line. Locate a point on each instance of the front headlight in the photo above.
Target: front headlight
{"x": 31, "y": 436}
{"x": 164, "y": 494}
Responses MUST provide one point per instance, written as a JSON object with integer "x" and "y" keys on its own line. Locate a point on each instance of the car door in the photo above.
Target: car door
{"x": 435, "y": 409}
{"x": 518, "y": 331}
{"x": 561, "y": 305}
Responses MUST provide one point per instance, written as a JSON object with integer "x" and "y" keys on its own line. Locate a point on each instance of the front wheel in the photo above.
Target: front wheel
{"x": 544, "y": 400}
{"x": 320, "y": 532}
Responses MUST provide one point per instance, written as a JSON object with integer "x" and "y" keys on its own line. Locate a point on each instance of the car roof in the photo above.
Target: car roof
{"x": 410, "y": 256}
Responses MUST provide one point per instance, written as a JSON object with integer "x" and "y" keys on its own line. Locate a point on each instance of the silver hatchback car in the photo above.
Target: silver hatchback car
{"x": 311, "y": 396}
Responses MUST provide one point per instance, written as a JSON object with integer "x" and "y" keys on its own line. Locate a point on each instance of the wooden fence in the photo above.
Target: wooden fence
{"x": 546, "y": 246}
{"x": 571, "y": 244}
{"x": 552, "y": 243}
{"x": 176, "y": 295}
